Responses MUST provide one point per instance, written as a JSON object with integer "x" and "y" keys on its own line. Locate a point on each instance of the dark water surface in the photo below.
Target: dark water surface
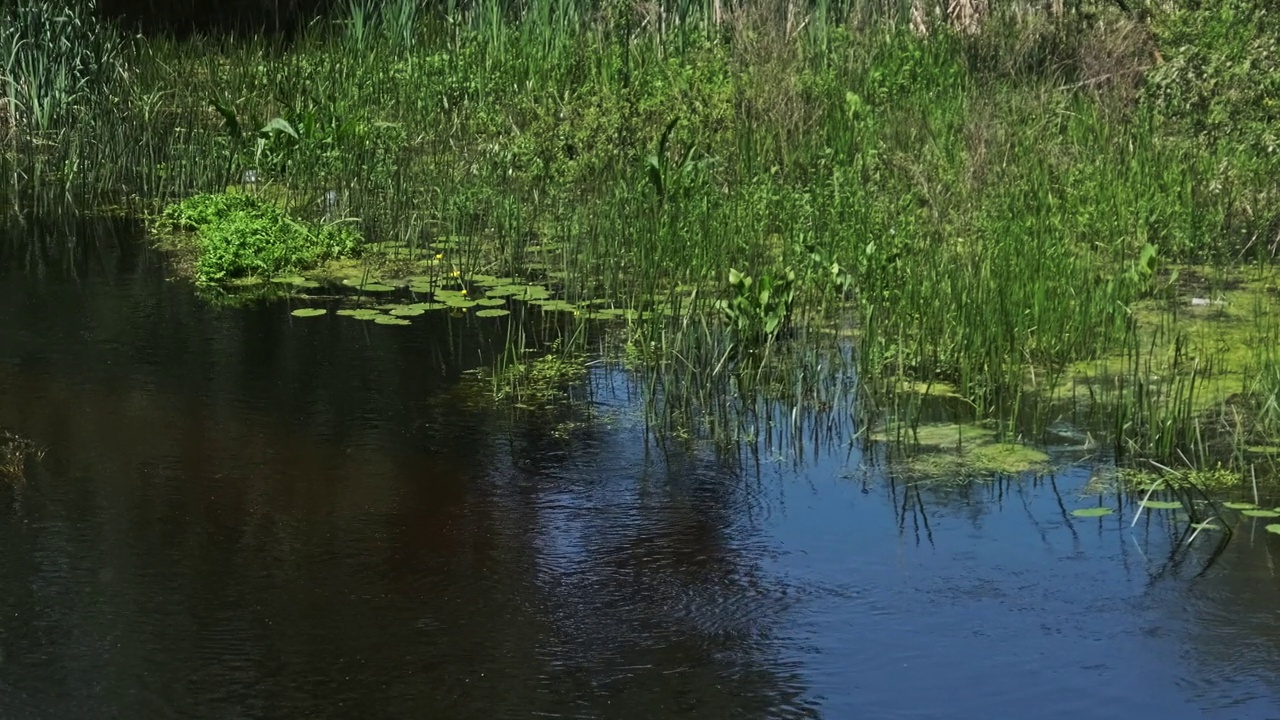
{"x": 242, "y": 514}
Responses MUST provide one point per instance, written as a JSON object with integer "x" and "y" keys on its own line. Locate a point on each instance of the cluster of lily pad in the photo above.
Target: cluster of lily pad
{"x": 1246, "y": 509}
{"x": 489, "y": 295}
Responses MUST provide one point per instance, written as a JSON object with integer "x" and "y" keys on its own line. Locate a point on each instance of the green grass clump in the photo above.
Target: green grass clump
{"x": 238, "y": 235}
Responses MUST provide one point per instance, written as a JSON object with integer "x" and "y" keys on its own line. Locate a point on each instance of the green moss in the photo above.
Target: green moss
{"x": 233, "y": 235}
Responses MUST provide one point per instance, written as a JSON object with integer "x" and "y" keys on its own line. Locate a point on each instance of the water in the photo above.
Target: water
{"x": 247, "y": 515}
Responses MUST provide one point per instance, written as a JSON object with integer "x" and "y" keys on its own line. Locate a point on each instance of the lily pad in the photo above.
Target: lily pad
{"x": 1260, "y": 513}
{"x": 309, "y": 312}
{"x": 389, "y": 320}
{"x": 492, "y": 312}
{"x": 1239, "y": 506}
{"x": 407, "y": 312}
{"x": 1274, "y": 528}
{"x": 502, "y": 290}
{"x": 1092, "y": 512}
{"x": 376, "y": 287}
{"x": 491, "y": 302}
{"x": 1161, "y": 505}
{"x": 1206, "y": 525}
{"x": 358, "y": 312}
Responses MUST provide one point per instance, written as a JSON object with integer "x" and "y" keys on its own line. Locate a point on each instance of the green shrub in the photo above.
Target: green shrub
{"x": 239, "y": 235}
{"x": 1221, "y": 70}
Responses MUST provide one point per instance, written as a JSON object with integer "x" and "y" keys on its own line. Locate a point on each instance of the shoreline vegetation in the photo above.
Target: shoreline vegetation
{"x": 1016, "y": 217}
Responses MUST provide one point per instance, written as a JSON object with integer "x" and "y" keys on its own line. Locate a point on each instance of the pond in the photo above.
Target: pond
{"x": 244, "y": 514}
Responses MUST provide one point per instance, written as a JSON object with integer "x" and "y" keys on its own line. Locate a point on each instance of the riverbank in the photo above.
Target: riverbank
{"x": 977, "y": 206}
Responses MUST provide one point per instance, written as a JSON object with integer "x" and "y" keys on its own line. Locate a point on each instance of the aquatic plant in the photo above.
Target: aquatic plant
{"x": 969, "y": 211}
{"x": 15, "y": 451}
{"x": 236, "y": 234}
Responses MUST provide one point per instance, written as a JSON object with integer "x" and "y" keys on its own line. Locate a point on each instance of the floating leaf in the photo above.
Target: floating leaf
{"x": 1161, "y": 505}
{"x": 491, "y": 302}
{"x": 1092, "y": 512}
{"x": 1238, "y": 505}
{"x": 492, "y": 312}
{"x": 376, "y": 287}
{"x": 429, "y": 306}
{"x": 309, "y": 312}
{"x": 1260, "y": 513}
{"x": 359, "y": 312}
{"x": 288, "y": 279}
{"x": 388, "y": 320}
{"x": 407, "y": 312}
{"x": 1206, "y": 525}
{"x": 502, "y": 290}
{"x": 1274, "y": 528}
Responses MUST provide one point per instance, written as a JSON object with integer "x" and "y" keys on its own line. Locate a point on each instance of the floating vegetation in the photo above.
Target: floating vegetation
{"x": 1260, "y": 513}
{"x": 235, "y": 234}
{"x": 958, "y": 451}
{"x": 358, "y": 312}
{"x": 309, "y": 312}
{"x": 1274, "y": 528}
{"x": 492, "y": 312}
{"x": 1161, "y": 504}
{"x": 1092, "y": 512}
{"x": 390, "y": 320}
{"x": 15, "y": 451}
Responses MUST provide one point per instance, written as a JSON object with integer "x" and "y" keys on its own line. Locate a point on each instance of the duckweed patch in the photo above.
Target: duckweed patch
{"x": 959, "y": 452}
